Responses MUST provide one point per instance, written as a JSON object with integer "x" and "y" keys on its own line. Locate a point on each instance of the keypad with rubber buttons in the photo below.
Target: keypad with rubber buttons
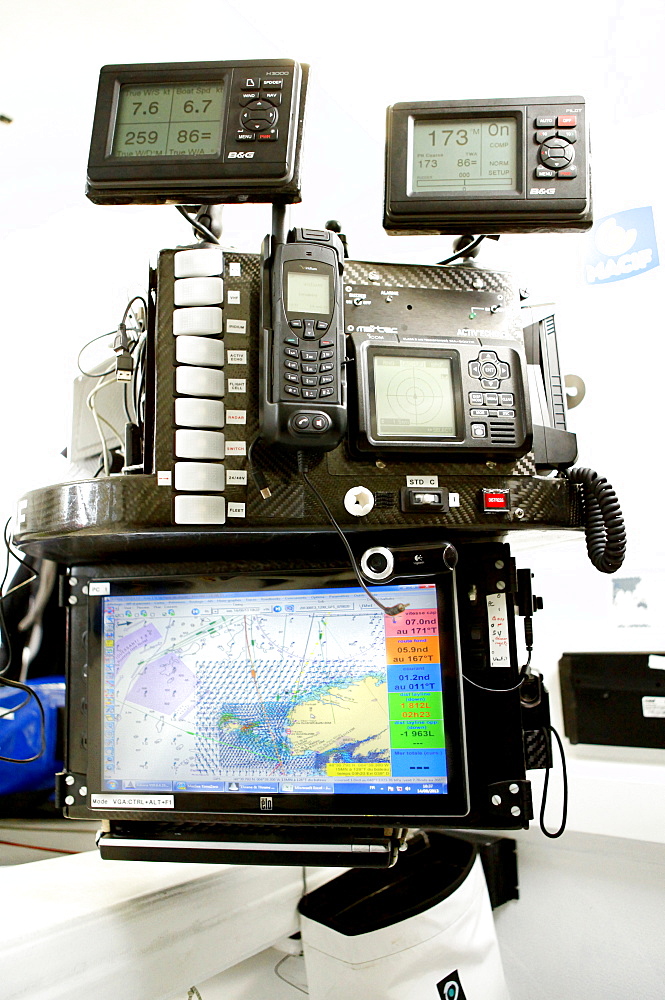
{"x": 489, "y": 369}
{"x": 489, "y": 403}
{"x": 259, "y": 100}
{"x": 315, "y": 368}
{"x": 556, "y": 136}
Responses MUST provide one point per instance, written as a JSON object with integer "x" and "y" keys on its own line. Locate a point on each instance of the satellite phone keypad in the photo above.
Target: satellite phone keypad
{"x": 317, "y": 380}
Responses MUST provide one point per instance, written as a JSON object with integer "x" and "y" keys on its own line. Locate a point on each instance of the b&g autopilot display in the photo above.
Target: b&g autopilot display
{"x": 487, "y": 167}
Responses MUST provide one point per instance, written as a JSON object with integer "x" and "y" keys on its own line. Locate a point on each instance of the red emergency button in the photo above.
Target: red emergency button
{"x": 496, "y": 500}
{"x": 566, "y": 121}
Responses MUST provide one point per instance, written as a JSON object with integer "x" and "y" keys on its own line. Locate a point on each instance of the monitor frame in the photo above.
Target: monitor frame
{"x": 393, "y": 809}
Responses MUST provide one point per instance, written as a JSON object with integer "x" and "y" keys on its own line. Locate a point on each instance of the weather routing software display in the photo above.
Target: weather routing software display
{"x": 282, "y": 691}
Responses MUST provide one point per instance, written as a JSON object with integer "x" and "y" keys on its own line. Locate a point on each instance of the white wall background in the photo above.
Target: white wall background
{"x": 68, "y": 267}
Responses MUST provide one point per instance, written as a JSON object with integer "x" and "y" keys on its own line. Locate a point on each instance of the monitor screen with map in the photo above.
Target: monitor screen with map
{"x": 217, "y": 694}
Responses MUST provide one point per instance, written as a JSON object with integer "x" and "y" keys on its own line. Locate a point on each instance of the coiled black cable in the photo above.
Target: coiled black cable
{"x": 603, "y": 520}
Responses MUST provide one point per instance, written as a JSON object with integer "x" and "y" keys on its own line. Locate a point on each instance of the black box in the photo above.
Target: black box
{"x": 615, "y": 699}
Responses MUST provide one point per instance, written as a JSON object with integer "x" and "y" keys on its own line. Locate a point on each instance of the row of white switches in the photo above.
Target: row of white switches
{"x": 198, "y": 294}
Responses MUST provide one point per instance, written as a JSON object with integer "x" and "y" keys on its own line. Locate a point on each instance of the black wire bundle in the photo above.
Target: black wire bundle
{"x": 603, "y": 521}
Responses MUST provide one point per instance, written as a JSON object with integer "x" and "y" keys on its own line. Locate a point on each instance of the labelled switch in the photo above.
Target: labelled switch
{"x": 199, "y": 413}
{"x": 206, "y": 320}
{"x": 425, "y": 501}
{"x": 200, "y": 477}
{"x": 199, "y": 263}
{"x": 198, "y": 291}
{"x": 192, "y": 381}
{"x": 206, "y": 445}
{"x": 195, "y": 509}
{"x": 495, "y": 501}
{"x": 200, "y": 351}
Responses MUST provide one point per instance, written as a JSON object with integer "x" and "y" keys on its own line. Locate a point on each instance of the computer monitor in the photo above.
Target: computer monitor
{"x": 288, "y": 694}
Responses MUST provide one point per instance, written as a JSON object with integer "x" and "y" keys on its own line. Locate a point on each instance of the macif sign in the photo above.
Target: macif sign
{"x": 623, "y": 245}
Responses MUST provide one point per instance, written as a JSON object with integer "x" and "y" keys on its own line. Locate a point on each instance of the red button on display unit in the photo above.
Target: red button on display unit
{"x": 566, "y": 121}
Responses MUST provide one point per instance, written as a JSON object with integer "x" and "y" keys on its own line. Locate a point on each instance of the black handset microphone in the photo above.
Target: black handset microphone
{"x": 303, "y": 381}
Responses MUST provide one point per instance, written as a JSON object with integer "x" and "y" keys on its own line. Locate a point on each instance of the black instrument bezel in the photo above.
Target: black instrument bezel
{"x": 211, "y": 806}
{"x": 533, "y": 206}
{"x": 268, "y": 168}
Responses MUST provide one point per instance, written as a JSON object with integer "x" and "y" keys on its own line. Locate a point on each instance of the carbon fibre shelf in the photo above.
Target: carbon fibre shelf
{"x": 101, "y": 517}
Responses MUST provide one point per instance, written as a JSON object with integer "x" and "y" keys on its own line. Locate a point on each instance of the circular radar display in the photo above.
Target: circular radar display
{"x": 413, "y": 397}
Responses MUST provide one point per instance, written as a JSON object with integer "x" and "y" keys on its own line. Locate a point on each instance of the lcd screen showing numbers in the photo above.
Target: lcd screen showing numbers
{"x": 308, "y": 293}
{"x": 156, "y": 120}
{"x": 460, "y": 154}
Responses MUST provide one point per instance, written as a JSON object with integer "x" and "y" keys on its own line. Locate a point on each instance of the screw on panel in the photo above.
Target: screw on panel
{"x": 515, "y": 811}
{"x": 73, "y": 581}
{"x": 379, "y": 464}
{"x": 69, "y": 780}
{"x": 69, "y": 801}
{"x": 73, "y": 599}
{"x": 499, "y": 564}
{"x": 519, "y": 513}
{"x": 83, "y": 790}
{"x": 500, "y": 585}
{"x": 496, "y": 800}
{"x": 514, "y": 789}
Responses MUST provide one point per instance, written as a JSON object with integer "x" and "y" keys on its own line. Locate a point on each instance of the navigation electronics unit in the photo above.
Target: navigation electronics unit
{"x": 208, "y": 132}
{"x": 496, "y": 166}
{"x": 291, "y": 614}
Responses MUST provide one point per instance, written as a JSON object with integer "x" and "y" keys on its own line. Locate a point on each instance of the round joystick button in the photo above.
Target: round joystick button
{"x": 488, "y": 369}
{"x": 556, "y": 150}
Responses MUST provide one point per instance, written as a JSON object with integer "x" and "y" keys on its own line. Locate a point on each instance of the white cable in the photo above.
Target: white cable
{"x": 90, "y": 401}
